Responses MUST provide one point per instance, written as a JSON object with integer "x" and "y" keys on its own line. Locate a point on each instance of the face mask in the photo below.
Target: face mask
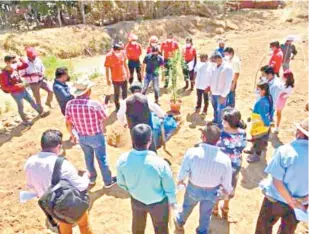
{"x": 153, "y": 44}
{"x": 117, "y": 52}
{"x": 227, "y": 58}
{"x": 169, "y": 40}
{"x": 133, "y": 42}
{"x": 14, "y": 66}
{"x": 188, "y": 45}
{"x": 264, "y": 79}
{"x": 258, "y": 92}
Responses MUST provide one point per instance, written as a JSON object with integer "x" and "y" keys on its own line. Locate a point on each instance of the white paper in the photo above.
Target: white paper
{"x": 191, "y": 65}
{"x": 25, "y": 196}
{"x": 301, "y": 215}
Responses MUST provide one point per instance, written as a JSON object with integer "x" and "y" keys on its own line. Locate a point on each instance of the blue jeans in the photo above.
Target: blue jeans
{"x": 155, "y": 80}
{"x": 218, "y": 107}
{"x": 19, "y": 99}
{"x": 231, "y": 99}
{"x": 207, "y": 199}
{"x": 96, "y": 145}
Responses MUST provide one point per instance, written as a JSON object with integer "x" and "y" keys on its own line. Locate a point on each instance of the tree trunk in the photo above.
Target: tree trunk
{"x": 82, "y": 11}
{"x": 59, "y": 16}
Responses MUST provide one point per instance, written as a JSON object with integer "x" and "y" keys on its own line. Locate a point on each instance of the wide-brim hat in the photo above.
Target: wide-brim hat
{"x": 290, "y": 38}
{"x": 303, "y": 126}
{"x": 81, "y": 86}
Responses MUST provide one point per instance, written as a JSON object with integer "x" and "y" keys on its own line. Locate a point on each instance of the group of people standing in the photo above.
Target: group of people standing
{"x": 209, "y": 170}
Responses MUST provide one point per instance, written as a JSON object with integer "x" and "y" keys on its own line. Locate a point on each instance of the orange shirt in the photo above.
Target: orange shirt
{"x": 133, "y": 51}
{"x": 189, "y": 54}
{"x": 116, "y": 63}
{"x": 168, "y": 48}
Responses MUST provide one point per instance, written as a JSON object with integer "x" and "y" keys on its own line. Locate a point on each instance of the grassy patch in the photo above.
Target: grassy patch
{"x": 51, "y": 63}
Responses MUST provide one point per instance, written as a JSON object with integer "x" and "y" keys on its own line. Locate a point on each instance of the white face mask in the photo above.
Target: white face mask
{"x": 258, "y": 92}
{"x": 169, "y": 40}
{"x": 188, "y": 45}
{"x": 14, "y": 66}
{"x": 264, "y": 79}
{"x": 133, "y": 42}
{"x": 153, "y": 44}
{"x": 227, "y": 57}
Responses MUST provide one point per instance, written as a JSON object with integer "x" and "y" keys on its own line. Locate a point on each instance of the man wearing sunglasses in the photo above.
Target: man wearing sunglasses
{"x": 11, "y": 83}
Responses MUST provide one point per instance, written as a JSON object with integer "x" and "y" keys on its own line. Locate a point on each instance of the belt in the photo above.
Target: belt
{"x": 208, "y": 188}
{"x": 90, "y": 134}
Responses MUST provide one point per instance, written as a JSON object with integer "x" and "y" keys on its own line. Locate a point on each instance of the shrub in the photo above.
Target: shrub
{"x": 51, "y": 63}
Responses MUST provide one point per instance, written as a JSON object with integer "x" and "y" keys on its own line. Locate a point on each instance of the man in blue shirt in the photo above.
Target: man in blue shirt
{"x": 287, "y": 186}
{"x": 149, "y": 180}
{"x": 152, "y": 62}
{"x": 221, "y": 48}
{"x": 61, "y": 89}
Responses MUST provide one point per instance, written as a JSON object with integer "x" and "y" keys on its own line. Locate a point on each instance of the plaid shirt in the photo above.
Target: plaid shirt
{"x": 86, "y": 115}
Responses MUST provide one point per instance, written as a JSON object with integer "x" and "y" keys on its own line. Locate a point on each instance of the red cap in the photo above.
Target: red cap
{"x": 31, "y": 53}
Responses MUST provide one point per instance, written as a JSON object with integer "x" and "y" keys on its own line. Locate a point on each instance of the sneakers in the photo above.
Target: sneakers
{"x": 252, "y": 158}
{"x": 114, "y": 181}
{"x": 276, "y": 130}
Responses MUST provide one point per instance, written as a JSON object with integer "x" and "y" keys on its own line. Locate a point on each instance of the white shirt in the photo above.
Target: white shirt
{"x": 203, "y": 74}
{"x": 121, "y": 114}
{"x": 221, "y": 80}
{"x": 275, "y": 88}
{"x": 36, "y": 68}
{"x": 39, "y": 169}
{"x": 236, "y": 64}
{"x": 207, "y": 166}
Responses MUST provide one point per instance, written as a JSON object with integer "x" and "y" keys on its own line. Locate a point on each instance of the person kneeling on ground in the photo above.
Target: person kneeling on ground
{"x": 149, "y": 180}
{"x": 10, "y": 82}
{"x": 136, "y": 110}
{"x": 39, "y": 171}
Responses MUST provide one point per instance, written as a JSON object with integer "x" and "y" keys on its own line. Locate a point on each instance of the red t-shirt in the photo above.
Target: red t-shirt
{"x": 189, "y": 54}
{"x": 116, "y": 63}
{"x": 149, "y": 50}
{"x": 168, "y": 48}
{"x": 133, "y": 52}
{"x": 276, "y": 60}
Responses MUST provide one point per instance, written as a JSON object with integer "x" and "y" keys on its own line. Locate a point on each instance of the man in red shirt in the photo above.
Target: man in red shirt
{"x": 115, "y": 62}
{"x": 277, "y": 57}
{"x": 87, "y": 117}
{"x": 189, "y": 55}
{"x": 133, "y": 52}
{"x": 168, "y": 48}
{"x": 153, "y": 42}
{"x": 11, "y": 83}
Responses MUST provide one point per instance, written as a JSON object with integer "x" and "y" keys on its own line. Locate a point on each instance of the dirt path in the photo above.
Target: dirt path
{"x": 113, "y": 216}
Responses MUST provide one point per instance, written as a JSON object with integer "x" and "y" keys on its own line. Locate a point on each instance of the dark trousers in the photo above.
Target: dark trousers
{"x": 167, "y": 71}
{"x": 123, "y": 85}
{"x": 202, "y": 94}
{"x": 134, "y": 66}
{"x": 159, "y": 213}
{"x": 270, "y": 213}
{"x": 260, "y": 143}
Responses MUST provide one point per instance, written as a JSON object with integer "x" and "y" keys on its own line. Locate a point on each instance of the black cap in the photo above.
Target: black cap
{"x": 60, "y": 71}
{"x": 117, "y": 46}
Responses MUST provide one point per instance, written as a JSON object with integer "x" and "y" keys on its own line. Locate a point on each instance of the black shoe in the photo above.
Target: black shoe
{"x": 114, "y": 181}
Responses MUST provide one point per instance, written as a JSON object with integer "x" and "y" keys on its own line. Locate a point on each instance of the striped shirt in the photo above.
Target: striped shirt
{"x": 207, "y": 167}
{"x": 86, "y": 115}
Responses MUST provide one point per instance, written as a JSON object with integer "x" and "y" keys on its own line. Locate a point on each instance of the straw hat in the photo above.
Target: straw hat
{"x": 81, "y": 86}
{"x": 303, "y": 127}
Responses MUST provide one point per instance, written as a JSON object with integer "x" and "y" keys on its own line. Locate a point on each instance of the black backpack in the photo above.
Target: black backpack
{"x": 62, "y": 201}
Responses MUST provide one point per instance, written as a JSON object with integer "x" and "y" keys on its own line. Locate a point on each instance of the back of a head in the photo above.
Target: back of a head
{"x": 233, "y": 117}
{"x": 141, "y": 136}
{"x": 212, "y": 133}
{"x": 51, "y": 139}
{"x": 9, "y": 58}
{"x": 60, "y": 71}
{"x": 275, "y": 44}
{"x": 269, "y": 70}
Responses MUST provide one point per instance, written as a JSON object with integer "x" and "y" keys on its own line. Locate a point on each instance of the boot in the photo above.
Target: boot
{"x": 187, "y": 85}
{"x": 192, "y": 85}
{"x": 205, "y": 109}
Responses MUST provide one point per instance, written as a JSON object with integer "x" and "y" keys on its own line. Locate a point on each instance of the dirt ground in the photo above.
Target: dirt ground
{"x": 110, "y": 212}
